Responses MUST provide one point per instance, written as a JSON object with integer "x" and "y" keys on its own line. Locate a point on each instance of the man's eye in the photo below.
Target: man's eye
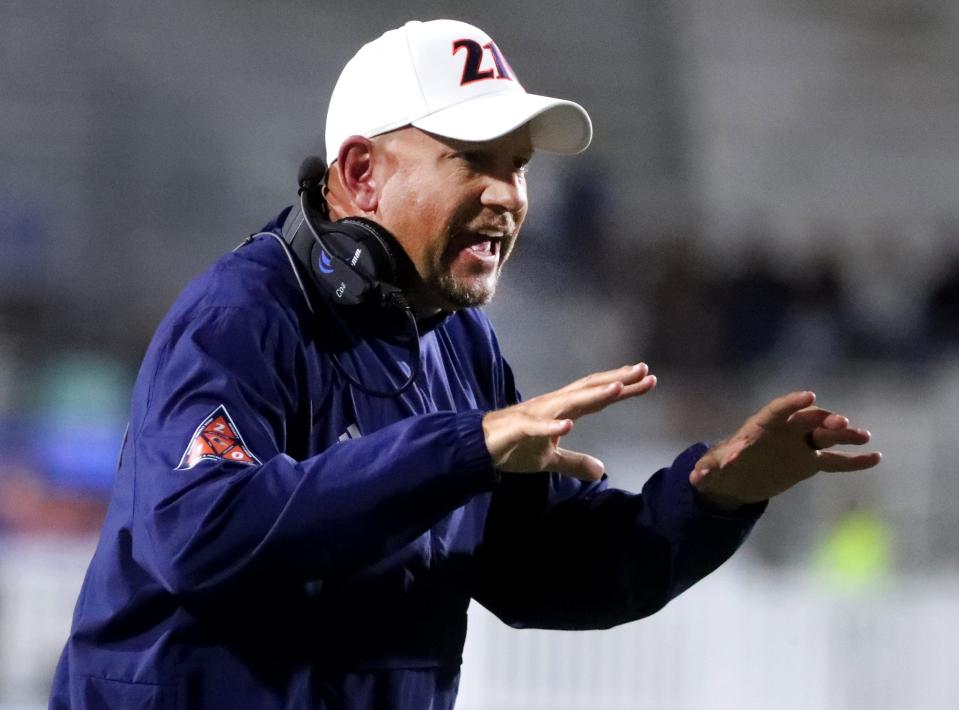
{"x": 472, "y": 157}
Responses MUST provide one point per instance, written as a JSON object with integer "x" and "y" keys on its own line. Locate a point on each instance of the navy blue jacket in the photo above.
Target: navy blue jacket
{"x": 277, "y": 538}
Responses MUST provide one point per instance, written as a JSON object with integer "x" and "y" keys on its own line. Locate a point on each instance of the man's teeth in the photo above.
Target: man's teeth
{"x": 483, "y": 247}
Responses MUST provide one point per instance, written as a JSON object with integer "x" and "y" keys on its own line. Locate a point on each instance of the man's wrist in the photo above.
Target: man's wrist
{"x": 717, "y": 503}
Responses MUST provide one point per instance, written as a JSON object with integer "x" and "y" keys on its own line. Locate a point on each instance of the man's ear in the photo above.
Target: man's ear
{"x": 356, "y": 172}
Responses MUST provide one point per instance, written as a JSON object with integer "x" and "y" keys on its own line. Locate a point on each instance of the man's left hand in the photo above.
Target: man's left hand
{"x": 785, "y": 442}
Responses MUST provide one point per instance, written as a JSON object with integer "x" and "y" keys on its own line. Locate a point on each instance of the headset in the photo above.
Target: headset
{"x": 354, "y": 261}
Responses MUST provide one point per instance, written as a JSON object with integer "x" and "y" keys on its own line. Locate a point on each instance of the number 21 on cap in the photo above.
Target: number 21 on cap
{"x": 474, "y": 58}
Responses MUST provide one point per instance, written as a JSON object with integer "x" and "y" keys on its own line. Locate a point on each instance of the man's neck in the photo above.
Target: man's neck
{"x": 424, "y": 307}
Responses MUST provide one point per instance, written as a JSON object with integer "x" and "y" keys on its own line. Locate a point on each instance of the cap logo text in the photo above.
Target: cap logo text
{"x": 475, "y": 53}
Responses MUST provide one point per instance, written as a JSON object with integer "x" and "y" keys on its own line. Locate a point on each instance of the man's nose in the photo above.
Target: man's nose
{"x": 506, "y": 193}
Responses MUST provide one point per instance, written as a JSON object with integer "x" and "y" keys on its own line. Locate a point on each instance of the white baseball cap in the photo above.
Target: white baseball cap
{"x": 448, "y": 78}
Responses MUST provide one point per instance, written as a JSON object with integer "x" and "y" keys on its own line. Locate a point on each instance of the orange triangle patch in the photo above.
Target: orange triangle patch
{"x": 217, "y": 438}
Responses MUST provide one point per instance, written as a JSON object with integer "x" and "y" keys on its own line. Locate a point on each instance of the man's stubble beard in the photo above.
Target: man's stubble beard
{"x": 460, "y": 295}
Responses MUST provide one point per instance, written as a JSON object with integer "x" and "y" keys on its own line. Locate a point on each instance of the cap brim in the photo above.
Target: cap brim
{"x": 556, "y": 125}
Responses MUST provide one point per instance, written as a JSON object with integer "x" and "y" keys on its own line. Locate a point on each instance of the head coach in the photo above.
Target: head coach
{"x": 327, "y": 458}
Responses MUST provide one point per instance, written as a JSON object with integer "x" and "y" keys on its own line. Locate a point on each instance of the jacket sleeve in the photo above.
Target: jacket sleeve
{"x": 271, "y": 519}
{"x": 560, "y": 553}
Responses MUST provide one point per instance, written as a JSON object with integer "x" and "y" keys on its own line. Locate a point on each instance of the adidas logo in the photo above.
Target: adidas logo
{"x": 352, "y": 432}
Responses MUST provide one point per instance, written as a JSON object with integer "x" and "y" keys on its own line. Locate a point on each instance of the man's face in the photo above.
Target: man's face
{"x": 455, "y": 207}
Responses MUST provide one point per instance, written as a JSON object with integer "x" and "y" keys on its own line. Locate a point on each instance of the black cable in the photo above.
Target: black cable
{"x": 414, "y": 367}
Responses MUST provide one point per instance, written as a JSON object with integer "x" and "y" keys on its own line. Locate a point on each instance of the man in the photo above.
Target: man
{"x": 306, "y": 501}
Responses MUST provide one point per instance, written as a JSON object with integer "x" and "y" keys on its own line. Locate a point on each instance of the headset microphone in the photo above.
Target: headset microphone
{"x": 312, "y": 173}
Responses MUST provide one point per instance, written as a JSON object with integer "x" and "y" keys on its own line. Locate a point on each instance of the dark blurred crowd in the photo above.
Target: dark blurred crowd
{"x": 760, "y": 310}
{"x": 703, "y": 300}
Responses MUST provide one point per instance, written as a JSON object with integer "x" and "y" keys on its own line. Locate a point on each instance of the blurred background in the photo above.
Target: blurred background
{"x": 769, "y": 204}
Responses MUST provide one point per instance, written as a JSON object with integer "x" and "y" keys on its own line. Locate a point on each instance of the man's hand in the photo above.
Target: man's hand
{"x": 776, "y": 448}
{"x": 525, "y": 437}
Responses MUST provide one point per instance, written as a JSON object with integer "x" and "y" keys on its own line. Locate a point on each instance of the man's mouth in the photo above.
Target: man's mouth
{"x": 485, "y": 245}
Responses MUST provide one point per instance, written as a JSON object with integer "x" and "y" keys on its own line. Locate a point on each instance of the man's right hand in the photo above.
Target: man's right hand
{"x": 525, "y": 437}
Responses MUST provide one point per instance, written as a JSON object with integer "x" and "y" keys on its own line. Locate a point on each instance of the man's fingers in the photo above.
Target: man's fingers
{"x": 527, "y": 426}
{"x": 824, "y": 438}
{"x": 836, "y": 421}
{"x": 642, "y": 387}
{"x": 577, "y": 465}
{"x": 625, "y": 392}
{"x": 781, "y": 408}
{"x": 812, "y": 417}
{"x": 594, "y": 392}
{"x": 628, "y": 374}
{"x": 558, "y": 427}
{"x": 578, "y": 403}
{"x": 707, "y": 463}
{"x": 833, "y": 461}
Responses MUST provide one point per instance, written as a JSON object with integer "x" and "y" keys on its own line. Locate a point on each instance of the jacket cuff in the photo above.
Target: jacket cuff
{"x": 472, "y": 456}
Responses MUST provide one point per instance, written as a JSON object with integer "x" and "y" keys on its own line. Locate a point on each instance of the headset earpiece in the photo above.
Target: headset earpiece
{"x": 354, "y": 260}
{"x": 350, "y": 260}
